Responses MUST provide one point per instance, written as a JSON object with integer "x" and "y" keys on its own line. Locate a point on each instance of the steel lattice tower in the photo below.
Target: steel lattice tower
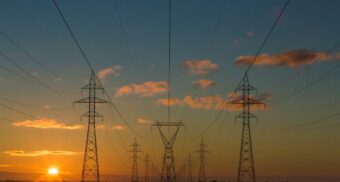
{"x": 135, "y": 149}
{"x": 168, "y": 170}
{"x": 90, "y": 171}
{"x": 189, "y": 161}
{"x": 246, "y": 170}
{"x": 202, "y": 155}
{"x": 147, "y": 173}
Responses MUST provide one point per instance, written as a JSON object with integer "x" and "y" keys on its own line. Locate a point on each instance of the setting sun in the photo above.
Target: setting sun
{"x": 53, "y": 171}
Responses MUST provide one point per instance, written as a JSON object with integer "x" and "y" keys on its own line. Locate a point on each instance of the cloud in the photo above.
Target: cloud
{"x": 43, "y": 123}
{"x": 143, "y": 120}
{"x": 250, "y": 33}
{"x": 200, "y": 67}
{"x": 204, "y": 83}
{"x": 37, "y": 153}
{"x": 171, "y": 102}
{"x": 213, "y": 102}
{"x": 118, "y": 127}
{"x": 146, "y": 89}
{"x": 113, "y": 70}
{"x": 293, "y": 58}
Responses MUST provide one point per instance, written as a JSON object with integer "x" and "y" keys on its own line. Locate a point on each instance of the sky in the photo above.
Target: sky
{"x": 212, "y": 43}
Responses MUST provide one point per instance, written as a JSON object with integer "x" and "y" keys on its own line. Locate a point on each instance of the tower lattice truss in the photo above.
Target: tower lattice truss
{"x": 90, "y": 170}
{"x": 244, "y": 97}
{"x": 168, "y": 138}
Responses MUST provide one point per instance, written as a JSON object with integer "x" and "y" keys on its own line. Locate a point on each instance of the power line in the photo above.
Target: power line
{"x": 253, "y": 62}
{"x": 312, "y": 122}
{"x": 28, "y": 54}
{"x": 324, "y": 127}
{"x": 32, "y": 58}
{"x": 17, "y": 111}
{"x": 32, "y": 106}
{"x": 9, "y": 120}
{"x": 29, "y": 75}
{"x": 268, "y": 36}
{"x": 169, "y": 61}
{"x": 90, "y": 66}
{"x": 313, "y": 82}
{"x": 17, "y": 74}
{"x": 310, "y": 65}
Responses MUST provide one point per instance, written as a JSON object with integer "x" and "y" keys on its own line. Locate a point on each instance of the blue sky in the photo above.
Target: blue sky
{"x": 133, "y": 34}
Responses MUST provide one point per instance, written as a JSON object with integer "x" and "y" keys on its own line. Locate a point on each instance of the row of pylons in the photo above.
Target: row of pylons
{"x": 184, "y": 174}
{"x": 246, "y": 168}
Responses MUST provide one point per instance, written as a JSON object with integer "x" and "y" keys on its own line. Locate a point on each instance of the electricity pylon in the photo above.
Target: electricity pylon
{"x": 202, "y": 155}
{"x": 168, "y": 170}
{"x": 189, "y": 161}
{"x": 135, "y": 149}
{"x": 246, "y": 169}
{"x": 90, "y": 171}
{"x": 147, "y": 173}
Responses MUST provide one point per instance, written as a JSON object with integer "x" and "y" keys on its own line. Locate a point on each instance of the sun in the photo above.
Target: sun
{"x": 53, "y": 171}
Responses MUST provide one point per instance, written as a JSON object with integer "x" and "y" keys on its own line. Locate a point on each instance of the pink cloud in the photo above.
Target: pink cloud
{"x": 166, "y": 102}
{"x": 200, "y": 67}
{"x": 250, "y": 34}
{"x": 113, "y": 70}
{"x": 44, "y": 123}
{"x": 212, "y": 102}
{"x": 37, "y": 153}
{"x": 204, "y": 83}
{"x": 292, "y": 59}
{"x": 146, "y": 89}
{"x": 118, "y": 127}
{"x": 143, "y": 120}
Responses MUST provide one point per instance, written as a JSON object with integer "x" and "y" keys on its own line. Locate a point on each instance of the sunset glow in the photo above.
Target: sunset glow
{"x": 53, "y": 171}
{"x": 170, "y": 90}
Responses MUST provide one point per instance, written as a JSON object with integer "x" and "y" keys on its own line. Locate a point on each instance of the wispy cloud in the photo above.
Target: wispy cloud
{"x": 293, "y": 58}
{"x": 118, "y": 127}
{"x": 204, "y": 83}
{"x": 37, "y": 153}
{"x": 44, "y": 123}
{"x": 146, "y": 89}
{"x": 212, "y": 102}
{"x": 171, "y": 102}
{"x": 143, "y": 120}
{"x": 200, "y": 67}
{"x": 250, "y": 33}
{"x": 106, "y": 72}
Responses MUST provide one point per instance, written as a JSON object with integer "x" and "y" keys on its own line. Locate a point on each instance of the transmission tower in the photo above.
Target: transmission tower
{"x": 90, "y": 171}
{"x": 202, "y": 155}
{"x": 135, "y": 149}
{"x": 168, "y": 170}
{"x": 147, "y": 173}
{"x": 189, "y": 161}
{"x": 246, "y": 169}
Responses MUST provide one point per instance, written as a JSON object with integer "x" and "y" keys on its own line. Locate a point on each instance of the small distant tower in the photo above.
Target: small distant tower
{"x": 90, "y": 171}
{"x": 202, "y": 155}
{"x": 246, "y": 170}
{"x": 147, "y": 173}
{"x": 189, "y": 162}
{"x": 135, "y": 149}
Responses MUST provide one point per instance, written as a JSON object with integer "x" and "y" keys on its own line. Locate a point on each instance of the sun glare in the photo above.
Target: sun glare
{"x": 53, "y": 171}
